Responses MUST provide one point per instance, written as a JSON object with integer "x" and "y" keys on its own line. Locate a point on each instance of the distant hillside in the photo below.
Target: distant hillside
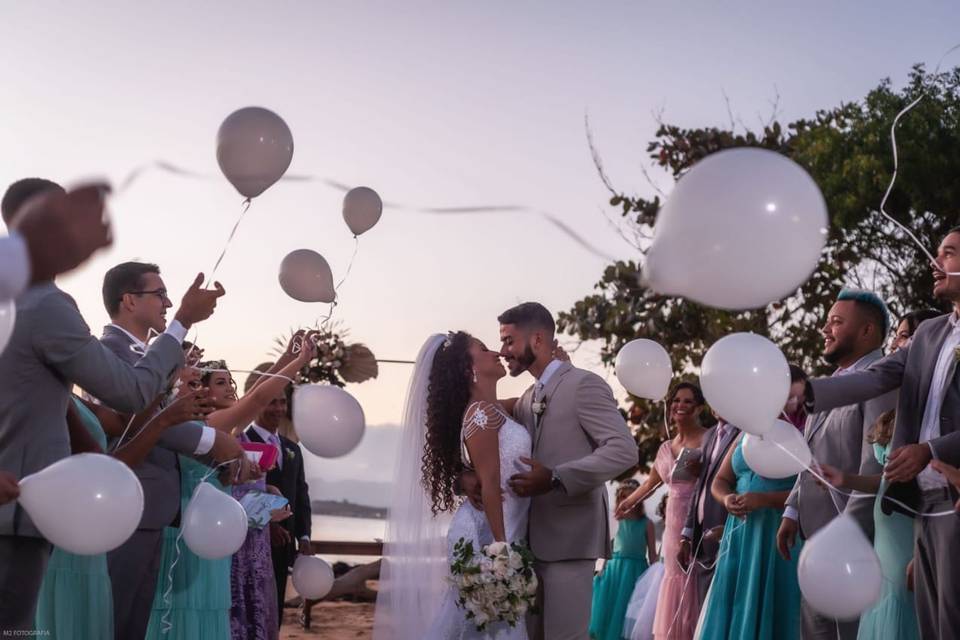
{"x": 346, "y": 509}
{"x": 374, "y": 494}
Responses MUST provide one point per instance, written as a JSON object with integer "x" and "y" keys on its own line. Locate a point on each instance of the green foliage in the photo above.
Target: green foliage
{"x": 847, "y": 151}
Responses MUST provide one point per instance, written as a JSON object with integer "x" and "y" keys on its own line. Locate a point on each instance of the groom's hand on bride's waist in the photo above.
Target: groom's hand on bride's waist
{"x": 536, "y": 482}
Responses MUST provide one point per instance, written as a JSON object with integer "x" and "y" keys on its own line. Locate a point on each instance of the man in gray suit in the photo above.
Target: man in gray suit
{"x": 51, "y": 349}
{"x": 854, "y": 333}
{"x": 580, "y": 441}
{"x": 136, "y": 300}
{"x": 706, "y": 516}
{"x": 927, "y": 428}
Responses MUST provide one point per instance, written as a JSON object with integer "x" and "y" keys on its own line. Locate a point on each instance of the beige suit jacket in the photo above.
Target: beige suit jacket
{"x": 582, "y": 435}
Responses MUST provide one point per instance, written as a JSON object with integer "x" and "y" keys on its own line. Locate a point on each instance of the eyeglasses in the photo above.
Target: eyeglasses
{"x": 160, "y": 293}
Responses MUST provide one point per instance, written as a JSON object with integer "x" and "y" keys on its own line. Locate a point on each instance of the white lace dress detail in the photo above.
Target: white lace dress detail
{"x": 470, "y": 524}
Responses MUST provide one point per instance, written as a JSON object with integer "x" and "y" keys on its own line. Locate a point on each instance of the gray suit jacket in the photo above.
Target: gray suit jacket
{"x": 582, "y": 436}
{"x": 51, "y": 349}
{"x": 159, "y": 473}
{"x": 910, "y": 369}
{"x": 714, "y": 513}
{"x": 837, "y": 436}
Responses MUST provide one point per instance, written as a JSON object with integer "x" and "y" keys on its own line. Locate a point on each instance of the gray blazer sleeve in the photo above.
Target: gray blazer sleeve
{"x": 615, "y": 452}
{"x": 183, "y": 438}
{"x": 947, "y": 448}
{"x": 882, "y": 376}
{"x": 62, "y": 340}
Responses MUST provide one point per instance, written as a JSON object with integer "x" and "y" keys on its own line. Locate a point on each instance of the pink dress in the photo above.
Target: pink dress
{"x": 677, "y": 606}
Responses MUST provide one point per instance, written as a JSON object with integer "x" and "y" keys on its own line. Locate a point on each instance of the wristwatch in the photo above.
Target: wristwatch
{"x": 556, "y": 482}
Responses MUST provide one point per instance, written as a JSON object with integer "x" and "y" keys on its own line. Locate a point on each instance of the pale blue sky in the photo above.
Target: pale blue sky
{"x": 440, "y": 104}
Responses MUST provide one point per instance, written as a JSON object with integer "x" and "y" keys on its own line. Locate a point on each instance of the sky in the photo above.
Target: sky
{"x": 431, "y": 104}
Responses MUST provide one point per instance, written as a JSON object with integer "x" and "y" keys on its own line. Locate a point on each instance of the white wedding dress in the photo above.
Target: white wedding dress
{"x": 471, "y": 524}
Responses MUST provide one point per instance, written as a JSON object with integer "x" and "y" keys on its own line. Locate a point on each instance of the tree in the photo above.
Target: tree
{"x": 847, "y": 151}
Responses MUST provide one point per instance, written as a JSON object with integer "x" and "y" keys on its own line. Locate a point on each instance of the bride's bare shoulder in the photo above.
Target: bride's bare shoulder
{"x": 482, "y": 415}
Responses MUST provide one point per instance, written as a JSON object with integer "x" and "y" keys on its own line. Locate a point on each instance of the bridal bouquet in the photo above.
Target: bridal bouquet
{"x": 496, "y": 584}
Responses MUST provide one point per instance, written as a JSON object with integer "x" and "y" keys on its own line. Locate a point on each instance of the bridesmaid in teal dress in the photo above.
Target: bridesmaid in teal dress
{"x": 894, "y": 615}
{"x": 76, "y": 600}
{"x": 198, "y": 605}
{"x": 755, "y": 593}
{"x": 634, "y": 548}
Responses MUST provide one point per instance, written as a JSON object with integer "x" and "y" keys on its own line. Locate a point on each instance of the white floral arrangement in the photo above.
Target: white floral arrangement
{"x": 496, "y": 584}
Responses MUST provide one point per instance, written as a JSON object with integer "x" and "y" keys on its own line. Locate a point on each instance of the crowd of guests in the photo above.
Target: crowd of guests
{"x": 144, "y": 395}
{"x": 884, "y": 433}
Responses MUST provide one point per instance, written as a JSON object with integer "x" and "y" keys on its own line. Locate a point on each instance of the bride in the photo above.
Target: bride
{"x": 452, "y": 421}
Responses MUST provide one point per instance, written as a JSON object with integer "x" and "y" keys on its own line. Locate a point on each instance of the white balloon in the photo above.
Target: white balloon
{"x": 746, "y": 379}
{"x": 305, "y": 276}
{"x": 769, "y": 460}
{"x": 329, "y": 421}
{"x": 312, "y": 577}
{"x": 254, "y": 149}
{"x": 8, "y": 317}
{"x": 86, "y": 504}
{"x": 742, "y": 228}
{"x": 362, "y": 208}
{"x": 214, "y": 523}
{"x": 838, "y": 570}
{"x": 643, "y": 368}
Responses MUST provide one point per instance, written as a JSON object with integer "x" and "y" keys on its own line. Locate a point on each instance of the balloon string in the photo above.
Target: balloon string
{"x": 858, "y": 495}
{"x": 896, "y": 166}
{"x": 550, "y": 218}
{"x": 356, "y": 247}
{"x": 245, "y": 207}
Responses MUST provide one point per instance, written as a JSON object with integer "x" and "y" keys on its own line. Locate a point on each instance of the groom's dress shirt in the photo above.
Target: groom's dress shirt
{"x": 14, "y": 266}
{"x": 930, "y": 427}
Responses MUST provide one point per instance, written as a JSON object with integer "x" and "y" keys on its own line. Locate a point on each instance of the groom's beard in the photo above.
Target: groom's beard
{"x": 522, "y": 362}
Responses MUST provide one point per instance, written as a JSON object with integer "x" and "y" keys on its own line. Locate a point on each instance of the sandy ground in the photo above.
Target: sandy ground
{"x": 332, "y": 621}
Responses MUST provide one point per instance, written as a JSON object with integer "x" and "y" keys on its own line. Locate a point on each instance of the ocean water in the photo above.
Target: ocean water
{"x": 350, "y": 530}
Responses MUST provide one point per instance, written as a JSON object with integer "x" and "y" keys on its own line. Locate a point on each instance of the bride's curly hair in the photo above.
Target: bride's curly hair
{"x": 448, "y": 393}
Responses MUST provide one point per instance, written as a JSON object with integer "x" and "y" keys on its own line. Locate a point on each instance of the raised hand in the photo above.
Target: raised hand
{"x": 62, "y": 230}
{"x": 198, "y": 304}
{"x": 194, "y": 405}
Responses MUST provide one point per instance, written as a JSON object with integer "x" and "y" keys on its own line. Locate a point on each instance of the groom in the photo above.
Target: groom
{"x": 580, "y": 441}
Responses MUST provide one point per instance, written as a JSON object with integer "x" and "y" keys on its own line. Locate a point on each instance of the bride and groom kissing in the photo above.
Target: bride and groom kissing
{"x": 532, "y": 469}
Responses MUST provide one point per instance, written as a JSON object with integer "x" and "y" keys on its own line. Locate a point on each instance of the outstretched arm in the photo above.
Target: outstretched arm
{"x": 250, "y": 405}
{"x": 639, "y": 494}
{"x": 880, "y": 377}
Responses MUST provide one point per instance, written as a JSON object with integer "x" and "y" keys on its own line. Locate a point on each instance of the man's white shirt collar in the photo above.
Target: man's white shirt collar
{"x": 136, "y": 341}
{"x": 548, "y": 372}
{"x": 263, "y": 433}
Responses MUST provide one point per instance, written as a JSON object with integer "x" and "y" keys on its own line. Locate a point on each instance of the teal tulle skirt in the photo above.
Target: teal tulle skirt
{"x": 76, "y": 599}
{"x": 198, "y": 605}
{"x": 612, "y": 588}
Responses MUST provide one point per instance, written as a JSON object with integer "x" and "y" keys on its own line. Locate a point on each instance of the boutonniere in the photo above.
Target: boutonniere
{"x": 956, "y": 354}
{"x": 539, "y": 407}
{"x": 290, "y": 454}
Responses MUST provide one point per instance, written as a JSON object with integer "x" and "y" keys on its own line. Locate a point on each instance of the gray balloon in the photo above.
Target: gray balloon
{"x": 254, "y": 149}
{"x": 306, "y": 276}
{"x": 361, "y": 209}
